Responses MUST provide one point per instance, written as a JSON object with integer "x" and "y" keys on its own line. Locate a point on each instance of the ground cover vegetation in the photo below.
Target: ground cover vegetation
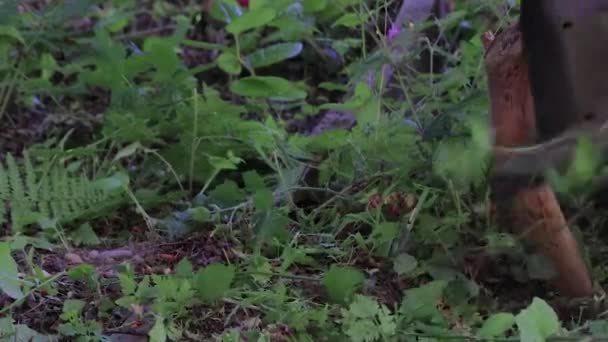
{"x": 263, "y": 170}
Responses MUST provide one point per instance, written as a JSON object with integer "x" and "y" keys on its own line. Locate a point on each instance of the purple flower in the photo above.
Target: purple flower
{"x": 393, "y": 32}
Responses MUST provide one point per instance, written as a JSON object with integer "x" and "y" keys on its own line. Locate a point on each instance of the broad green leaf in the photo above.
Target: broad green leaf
{"x": 272, "y": 225}
{"x": 119, "y": 180}
{"x": 11, "y": 32}
{"x": 461, "y": 162}
{"x": 158, "y": 333}
{"x": 262, "y": 200}
{"x": 232, "y": 335}
{"x": 267, "y": 86}
{"x": 421, "y": 303}
{"x": 586, "y": 160}
{"x": 72, "y": 308}
{"x": 311, "y": 6}
{"x": 20, "y": 332}
{"x": 128, "y": 285}
{"x": 85, "y": 235}
{"x": 404, "y": 264}
{"x": 227, "y": 194}
{"x": 385, "y": 231}
{"x": 364, "y": 307}
{"x": 231, "y": 162}
{"x": 200, "y": 214}
{"x": 82, "y": 272}
{"x": 359, "y": 99}
{"x": 350, "y": 20}
{"x": 161, "y": 53}
{"x": 10, "y": 283}
{"x": 115, "y": 182}
{"x": 225, "y": 10}
{"x": 255, "y": 4}
{"x": 273, "y": 54}
{"x": 184, "y": 268}
{"x": 250, "y": 20}
{"x": 480, "y": 133}
{"x": 253, "y": 181}
{"x": 537, "y": 322}
{"x": 332, "y": 86}
{"x": 229, "y": 63}
{"x": 496, "y": 325}
{"x": 342, "y": 282}
{"x": 213, "y": 281}
{"x": 48, "y": 65}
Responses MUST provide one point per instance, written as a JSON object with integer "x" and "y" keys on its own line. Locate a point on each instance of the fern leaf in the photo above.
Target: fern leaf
{"x": 4, "y": 193}
{"x": 31, "y": 183}
{"x": 16, "y": 184}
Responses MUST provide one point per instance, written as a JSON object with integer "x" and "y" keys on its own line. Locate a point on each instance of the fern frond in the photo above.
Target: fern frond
{"x": 34, "y": 190}
{"x": 18, "y": 196}
{"x": 31, "y": 183}
{"x": 4, "y": 192}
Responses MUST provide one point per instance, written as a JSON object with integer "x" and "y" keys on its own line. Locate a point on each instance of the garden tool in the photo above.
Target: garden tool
{"x": 565, "y": 43}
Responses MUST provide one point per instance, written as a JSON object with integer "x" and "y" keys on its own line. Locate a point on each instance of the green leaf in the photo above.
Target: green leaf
{"x": 350, "y": 20}
{"x": 263, "y": 200}
{"x": 385, "y": 231}
{"x": 255, "y": 4}
{"x": 48, "y": 65}
{"x": 267, "y": 86}
{"x": 253, "y": 181}
{"x": 119, "y": 180}
{"x": 342, "y": 282}
{"x": 85, "y": 235}
{"x": 404, "y": 264}
{"x": 72, "y": 308}
{"x": 10, "y": 283}
{"x": 599, "y": 328}
{"x": 496, "y": 325}
{"x": 200, "y": 214}
{"x": 273, "y": 54}
{"x": 311, "y": 6}
{"x": 225, "y": 10}
{"x": 273, "y": 225}
{"x": 364, "y": 307}
{"x": 537, "y": 322}
{"x": 213, "y": 281}
{"x": 229, "y": 63}
{"x": 158, "y": 333}
{"x": 161, "y": 53}
{"x": 127, "y": 151}
{"x": 250, "y": 20}
{"x": 184, "y": 268}
{"x": 85, "y": 273}
{"x": 227, "y": 194}
{"x": 231, "y": 162}
{"x": 361, "y": 97}
{"x": 11, "y": 32}
{"x": 421, "y": 303}
{"x": 586, "y": 160}
{"x": 461, "y": 162}
{"x": 128, "y": 285}
{"x": 20, "y": 332}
